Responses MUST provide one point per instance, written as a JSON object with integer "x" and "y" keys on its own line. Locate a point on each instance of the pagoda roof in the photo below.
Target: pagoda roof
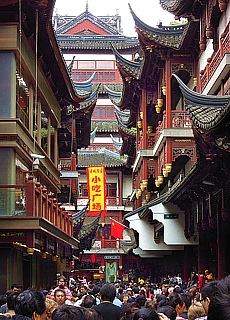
{"x": 206, "y": 111}
{"x": 96, "y": 42}
{"x": 117, "y": 144}
{"x": 114, "y": 96}
{"x": 89, "y": 228}
{"x": 181, "y": 8}
{"x": 167, "y": 36}
{"x": 103, "y": 157}
{"x": 128, "y": 69}
{"x": 68, "y": 24}
{"x": 50, "y": 59}
{"x": 123, "y": 115}
{"x": 85, "y": 87}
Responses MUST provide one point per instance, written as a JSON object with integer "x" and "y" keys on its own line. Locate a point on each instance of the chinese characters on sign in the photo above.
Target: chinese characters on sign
{"x": 96, "y": 190}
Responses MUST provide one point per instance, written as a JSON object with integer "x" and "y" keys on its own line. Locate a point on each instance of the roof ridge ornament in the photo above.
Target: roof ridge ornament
{"x": 87, "y": 6}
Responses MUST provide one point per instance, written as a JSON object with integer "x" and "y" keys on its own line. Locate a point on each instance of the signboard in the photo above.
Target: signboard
{"x": 111, "y": 257}
{"x": 171, "y": 216}
{"x": 96, "y": 190}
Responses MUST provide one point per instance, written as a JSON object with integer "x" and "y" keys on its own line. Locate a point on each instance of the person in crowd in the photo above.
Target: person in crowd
{"x": 164, "y": 291}
{"x": 14, "y": 287}
{"x": 128, "y": 310}
{"x": 175, "y": 301}
{"x": 146, "y": 314}
{"x": 10, "y": 303}
{"x": 51, "y": 305}
{"x": 106, "y": 307}
{"x": 168, "y": 311}
{"x": 92, "y": 314}
{"x": 208, "y": 276}
{"x": 187, "y": 299}
{"x": 30, "y": 304}
{"x": 60, "y": 297}
{"x": 196, "y": 311}
{"x": 62, "y": 285}
{"x": 125, "y": 298}
{"x": 88, "y": 301}
{"x": 68, "y": 312}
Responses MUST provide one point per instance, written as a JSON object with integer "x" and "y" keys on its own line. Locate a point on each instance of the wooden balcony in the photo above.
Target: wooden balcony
{"x": 214, "y": 61}
{"x": 32, "y": 200}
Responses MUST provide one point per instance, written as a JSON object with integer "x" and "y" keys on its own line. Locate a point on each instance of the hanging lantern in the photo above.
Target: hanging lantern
{"x": 164, "y": 90}
{"x": 165, "y": 173}
{"x": 168, "y": 167}
{"x": 149, "y": 129}
{"x": 160, "y": 102}
{"x": 157, "y": 183}
{"x": 30, "y": 251}
{"x": 160, "y": 179}
{"x": 139, "y": 124}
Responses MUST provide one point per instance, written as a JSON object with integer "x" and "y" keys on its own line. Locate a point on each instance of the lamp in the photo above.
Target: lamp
{"x": 36, "y": 164}
{"x": 44, "y": 255}
{"x": 139, "y": 124}
{"x": 143, "y": 202}
{"x": 145, "y": 183}
{"x": 165, "y": 173}
{"x": 141, "y": 115}
{"x": 142, "y": 187}
{"x": 148, "y": 196}
{"x": 149, "y": 129}
{"x": 139, "y": 192}
{"x": 30, "y": 251}
{"x": 168, "y": 167}
{"x": 157, "y": 183}
{"x": 195, "y": 82}
{"x": 120, "y": 267}
{"x": 164, "y": 90}
{"x": 160, "y": 179}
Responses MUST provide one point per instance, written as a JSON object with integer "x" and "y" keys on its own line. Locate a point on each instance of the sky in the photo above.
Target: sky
{"x": 149, "y": 11}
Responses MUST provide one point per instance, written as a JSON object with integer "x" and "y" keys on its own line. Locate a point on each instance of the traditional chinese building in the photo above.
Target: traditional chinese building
{"x": 181, "y": 164}
{"x": 85, "y": 41}
{"x": 36, "y": 236}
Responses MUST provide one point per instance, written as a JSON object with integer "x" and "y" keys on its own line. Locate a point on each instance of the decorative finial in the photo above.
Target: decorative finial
{"x": 87, "y": 6}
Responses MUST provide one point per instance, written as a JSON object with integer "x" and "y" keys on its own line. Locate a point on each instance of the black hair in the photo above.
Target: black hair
{"x": 169, "y": 311}
{"x": 146, "y": 314}
{"x": 57, "y": 290}
{"x": 108, "y": 292}
{"x": 30, "y": 301}
{"x": 89, "y": 301}
{"x": 92, "y": 314}
{"x": 11, "y": 298}
{"x": 174, "y": 299}
{"x": 68, "y": 312}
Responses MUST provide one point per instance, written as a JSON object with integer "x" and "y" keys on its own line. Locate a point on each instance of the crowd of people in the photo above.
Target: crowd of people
{"x": 119, "y": 301}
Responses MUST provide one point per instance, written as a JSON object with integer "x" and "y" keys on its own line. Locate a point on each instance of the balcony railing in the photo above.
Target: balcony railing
{"x": 180, "y": 119}
{"x": 214, "y": 61}
{"x": 32, "y": 200}
{"x": 110, "y": 201}
{"x": 22, "y": 116}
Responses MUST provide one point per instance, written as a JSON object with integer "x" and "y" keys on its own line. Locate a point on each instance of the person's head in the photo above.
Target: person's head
{"x": 169, "y": 311}
{"x": 206, "y": 295}
{"x": 218, "y": 301}
{"x": 196, "y": 310}
{"x": 89, "y": 301}
{"x": 108, "y": 292}
{"x": 125, "y": 298}
{"x": 61, "y": 282}
{"x": 16, "y": 287}
{"x": 128, "y": 310}
{"x": 146, "y": 314}
{"x": 31, "y": 303}
{"x": 92, "y": 314}
{"x": 51, "y": 305}
{"x": 10, "y": 299}
{"x": 68, "y": 312}
{"x": 60, "y": 296}
{"x": 175, "y": 301}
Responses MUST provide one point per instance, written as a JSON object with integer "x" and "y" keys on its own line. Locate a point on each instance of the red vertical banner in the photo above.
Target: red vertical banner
{"x": 96, "y": 190}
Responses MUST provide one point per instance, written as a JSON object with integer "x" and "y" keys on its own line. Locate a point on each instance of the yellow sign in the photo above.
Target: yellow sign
{"x": 96, "y": 189}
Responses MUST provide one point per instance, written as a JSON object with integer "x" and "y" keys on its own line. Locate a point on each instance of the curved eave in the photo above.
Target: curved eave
{"x": 167, "y": 36}
{"x": 179, "y": 8}
{"x": 97, "y": 42}
{"x": 114, "y": 96}
{"x": 206, "y": 111}
{"x": 128, "y": 68}
{"x": 91, "y": 101}
{"x": 85, "y": 86}
{"x": 125, "y": 133}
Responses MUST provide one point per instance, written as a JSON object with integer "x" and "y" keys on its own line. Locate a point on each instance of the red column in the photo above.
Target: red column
{"x": 30, "y": 197}
{"x": 168, "y": 94}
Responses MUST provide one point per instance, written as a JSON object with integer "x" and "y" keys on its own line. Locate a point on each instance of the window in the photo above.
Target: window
{"x": 98, "y": 112}
{"x": 103, "y": 113}
{"x": 111, "y": 189}
{"x": 112, "y": 76}
{"x": 105, "y": 65}
{"x": 83, "y": 76}
{"x": 83, "y": 190}
{"x": 78, "y": 76}
{"x": 86, "y": 64}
